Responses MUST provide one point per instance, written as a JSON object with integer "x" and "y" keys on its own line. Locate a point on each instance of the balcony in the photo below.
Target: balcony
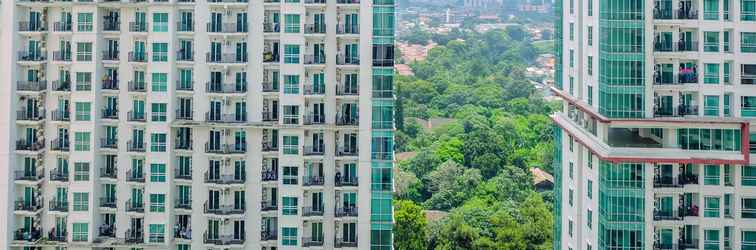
{"x": 183, "y": 144}
{"x": 63, "y": 86}
{"x": 29, "y": 175}
{"x": 313, "y": 180}
{"x": 133, "y": 206}
{"x": 25, "y": 56}
{"x": 315, "y": 28}
{"x": 136, "y": 116}
{"x": 347, "y": 151}
{"x": 685, "y": 46}
{"x": 269, "y": 175}
{"x": 111, "y": 25}
{"x": 269, "y": 27}
{"x": 225, "y": 118}
{"x": 184, "y": 27}
{"x": 31, "y": 27}
{"x": 110, "y": 114}
{"x": 57, "y": 174}
{"x": 62, "y": 27}
{"x": 35, "y": 86}
{"x": 57, "y": 236}
{"x": 341, "y": 243}
{"x": 134, "y": 236}
{"x": 109, "y": 55}
{"x": 346, "y": 181}
{"x": 268, "y": 206}
{"x": 225, "y": 178}
{"x": 23, "y": 115}
{"x": 219, "y": 88}
{"x": 109, "y": 143}
{"x": 216, "y": 148}
{"x": 666, "y": 182}
{"x": 690, "y": 211}
{"x": 346, "y": 212}
{"x": 132, "y": 176}
{"x": 269, "y": 147}
{"x": 61, "y": 145}
{"x": 138, "y": 57}
{"x": 271, "y": 57}
{"x": 269, "y": 87}
{"x": 58, "y": 205}
{"x": 225, "y": 58}
{"x": 108, "y": 202}
{"x": 313, "y": 150}
{"x": 312, "y": 59}
{"x": 183, "y": 204}
{"x": 138, "y": 27}
{"x": 182, "y": 232}
{"x": 661, "y": 215}
{"x": 342, "y": 29}
{"x": 268, "y": 235}
{"x": 108, "y": 231}
{"x": 61, "y": 56}
{"x": 184, "y": 115}
{"x": 31, "y": 235}
{"x": 312, "y": 242}
{"x": 348, "y": 2}
{"x": 226, "y": 28}
{"x": 184, "y": 85}
{"x": 342, "y": 120}
{"x": 61, "y": 115}
{"x": 30, "y": 146}
{"x": 109, "y": 172}
{"x": 342, "y": 60}
{"x": 314, "y": 90}
{"x": 313, "y": 119}
{"x": 137, "y": 86}
{"x": 183, "y": 175}
{"x": 312, "y": 211}
{"x": 223, "y": 240}
{"x": 110, "y": 84}
{"x": 29, "y": 206}
{"x": 342, "y": 90}
{"x": 680, "y": 111}
{"x": 224, "y": 209}
{"x": 183, "y": 56}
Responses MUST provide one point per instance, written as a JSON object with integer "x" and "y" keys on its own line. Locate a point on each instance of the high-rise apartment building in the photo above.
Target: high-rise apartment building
{"x": 196, "y": 124}
{"x": 654, "y": 142}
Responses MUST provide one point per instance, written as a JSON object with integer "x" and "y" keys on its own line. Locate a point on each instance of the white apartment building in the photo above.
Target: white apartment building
{"x": 197, "y": 124}
{"x": 654, "y": 144}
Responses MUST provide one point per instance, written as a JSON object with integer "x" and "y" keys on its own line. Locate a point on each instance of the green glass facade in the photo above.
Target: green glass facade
{"x": 621, "y": 206}
{"x": 621, "y": 58}
{"x": 557, "y": 165}
{"x": 558, "y": 78}
{"x": 382, "y": 126}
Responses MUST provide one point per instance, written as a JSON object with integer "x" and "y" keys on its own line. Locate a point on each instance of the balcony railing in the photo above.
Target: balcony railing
{"x": 136, "y": 116}
{"x": 313, "y": 119}
{"x": 269, "y": 175}
{"x": 345, "y": 181}
{"x": 109, "y": 114}
{"x": 666, "y": 182}
{"x": 184, "y": 115}
{"x": 347, "y": 151}
{"x": 23, "y": 115}
{"x": 184, "y": 27}
{"x": 227, "y": 28}
{"x": 183, "y": 204}
{"x": 110, "y": 84}
{"x": 347, "y": 120}
{"x": 31, "y": 27}
{"x": 347, "y": 29}
{"x": 109, "y": 143}
{"x": 312, "y": 242}
{"x": 315, "y": 28}
{"x": 30, "y": 146}
{"x": 312, "y": 211}
{"x": 223, "y": 239}
{"x": 110, "y": 55}
{"x": 26, "y": 56}
{"x": 60, "y": 145}
{"x": 132, "y": 176}
{"x": 660, "y": 215}
{"x": 216, "y": 148}
{"x": 134, "y": 236}
{"x": 268, "y": 206}
{"x": 29, "y": 175}
{"x": 267, "y": 235}
{"x": 57, "y": 236}
{"x": 225, "y": 58}
{"x": 183, "y": 144}
{"x": 61, "y": 115}
{"x": 62, "y": 56}
{"x": 346, "y": 212}
{"x": 340, "y": 242}
{"x": 183, "y": 175}
{"x": 108, "y": 202}
{"x": 269, "y": 146}
{"x": 225, "y": 178}
{"x": 681, "y": 110}
{"x": 29, "y": 206}
{"x": 342, "y": 90}
{"x": 34, "y": 86}
{"x": 218, "y": 209}
{"x": 313, "y": 180}
{"x": 31, "y": 235}
{"x": 64, "y": 86}
{"x": 111, "y": 25}
{"x": 184, "y": 85}
{"x": 269, "y": 87}
{"x": 271, "y": 57}
{"x": 106, "y": 230}
{"x": 137, "y": 56}
{"x": 62, "y": 26}
{"x": 109, "y": 172}
{"x": 58, "y": 205}
{"x": 138, "y": 27}
{"x": 352, "y": 60}
{"x": 133, "y": 206}
{"x": 269, "y": 27}
{"x": 57, "y": 174}
{"x": 314, "y": 150}
{"x": 348, "y": 2}
{"x": 225, "y": 118}
{"x": 312, "y": 59}
{"x": 233, "y": 88}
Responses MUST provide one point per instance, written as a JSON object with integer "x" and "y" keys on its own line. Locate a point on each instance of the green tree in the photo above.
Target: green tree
{"x": 410, "y": 229}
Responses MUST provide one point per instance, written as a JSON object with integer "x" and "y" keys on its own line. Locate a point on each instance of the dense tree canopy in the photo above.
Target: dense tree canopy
{"x": 476, "y": 167}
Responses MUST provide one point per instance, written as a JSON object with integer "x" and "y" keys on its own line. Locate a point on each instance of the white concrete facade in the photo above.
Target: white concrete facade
{"x": 146, "y": 164}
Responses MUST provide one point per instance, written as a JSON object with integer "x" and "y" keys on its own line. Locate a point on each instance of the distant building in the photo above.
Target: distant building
{"x": 482, "y": 4}
{"x": 542, "y": 181}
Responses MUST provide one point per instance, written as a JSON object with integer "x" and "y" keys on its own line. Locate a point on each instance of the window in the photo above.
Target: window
{"x": 157, "y": 233}
{"x": 289, "y": 233}
{"x": 709, "y": 139}
{"x": 711, "y": 73}
{"x": 748, "y": 42}
{"x": 291, "y": 145}
{"x": 83, "y": 81}
{"x": 590, "y": 158}
{"x": 748, "y": 240}
{"x": 157, "y": 203}
{"x": 711, "y": 207}
{"x": 711, "y": 175}
{"x": 81, "y": 141}
{"x": 84, "y": 52}
{"x": 289, "y": 206}
{"x": 572, "y": 6}
{"x": 748, "y": 208}
{"x": 711, "y": 105}
{"x": 183, "y": 247}
{"x": 748, "y": 10}
{"x": 590, "y": 98}
{"x": 81, "y": 202}
{"x": 292, "y": 23}
{"x": 590, "y": 9}
{"x": 291, "y": 84}
{"x": 590, "y": 65}
{"x": 83, "y": 111}
{"x": 159, "y": 112}
{"x": 159, "y": 82}
{"x": 589, "y": 219}
{"x": 290, "y": 175}
{"x": 81, "y": 171}
{"x": 570, "y": 197}
{"x": 160, "y": 22}
{"x": 157, "y": 172}
{"x": 569, "y": 228}
{"x": 157, "y": 142}
{"x": 80, "y": 232}
{"x": 748, "y": 175}
{"x": 572, "y": 58}
{"x": 84, "y": 21}
{"x": 711, "y": 9}
{"x": 711, "y": 41}
{"x": 590, "y": 189}
{"x": 711, "y": 239}
{"x": 572, "y": 31}
{"x": 572, "y": 170}
{"x": 291, "y": 54}
{"x": 159, "y": 52}
{"x": 291, "y": 114}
